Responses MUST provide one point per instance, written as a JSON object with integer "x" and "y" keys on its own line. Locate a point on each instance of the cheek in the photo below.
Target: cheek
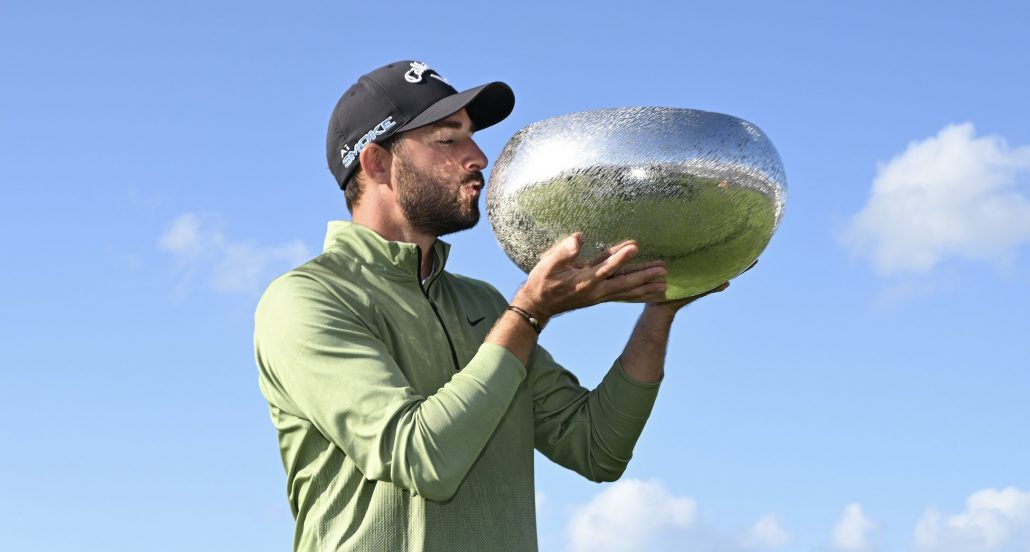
{"x": 445, "y": 171}
{"x": 447, "y": 166}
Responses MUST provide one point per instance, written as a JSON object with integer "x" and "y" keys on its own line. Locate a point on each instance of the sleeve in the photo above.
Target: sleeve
{"x": 321, "y": 358}
{"x": 590, "y": 432}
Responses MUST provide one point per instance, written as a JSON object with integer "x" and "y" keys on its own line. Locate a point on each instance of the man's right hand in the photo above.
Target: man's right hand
{"x": 560, "y": 283}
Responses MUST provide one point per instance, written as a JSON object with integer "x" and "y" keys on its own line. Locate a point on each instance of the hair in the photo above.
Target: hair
{"x": 355, "y": 184}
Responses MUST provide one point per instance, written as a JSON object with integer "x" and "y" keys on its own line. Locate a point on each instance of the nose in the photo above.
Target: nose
{"x": 475, "y": 159}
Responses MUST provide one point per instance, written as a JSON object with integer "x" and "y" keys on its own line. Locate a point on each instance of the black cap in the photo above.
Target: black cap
{"x": 403, "y": 96}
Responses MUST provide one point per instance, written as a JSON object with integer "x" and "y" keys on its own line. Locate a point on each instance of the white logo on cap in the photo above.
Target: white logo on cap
{"x": 414, "y": 75}
{"x": 349, "y": 155}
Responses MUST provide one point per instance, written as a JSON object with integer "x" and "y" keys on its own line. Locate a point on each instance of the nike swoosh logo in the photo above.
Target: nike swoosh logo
{"x": 476, "y": 321}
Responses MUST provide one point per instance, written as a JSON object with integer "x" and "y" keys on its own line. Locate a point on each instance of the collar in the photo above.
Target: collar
{"x": 393, "y": 259}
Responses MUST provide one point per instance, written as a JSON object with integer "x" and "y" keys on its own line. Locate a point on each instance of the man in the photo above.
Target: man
{"x": 409, "y": 400}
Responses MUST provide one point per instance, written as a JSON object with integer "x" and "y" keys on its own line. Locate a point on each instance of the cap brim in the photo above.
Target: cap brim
{"x": 487, "y": 105}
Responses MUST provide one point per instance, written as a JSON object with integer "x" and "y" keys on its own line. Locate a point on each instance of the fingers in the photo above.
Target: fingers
{"x": 647, "y": 293}
{"x": 610, "y": 266}
{"x": 655, "y": 293}
{"x": 606, "y": 263}
{"x": 641, "y": 285}
{"x": 560, "y": 282}
{"x": 636, "y": 267}
{"x": 565, "y": 251}
{"x": 601, "y": 256}
{"x": 637, "y": 278}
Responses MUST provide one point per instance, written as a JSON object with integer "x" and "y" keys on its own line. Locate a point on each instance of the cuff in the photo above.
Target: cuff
{"x": 629, "y": 396}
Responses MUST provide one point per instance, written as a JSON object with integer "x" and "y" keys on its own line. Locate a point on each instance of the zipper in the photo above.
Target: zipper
{"x": 436, "y": 311}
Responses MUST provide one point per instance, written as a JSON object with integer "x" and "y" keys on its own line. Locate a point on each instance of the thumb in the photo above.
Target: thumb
{"x": 573, "y": 243}
{"x": 564, "y": 251}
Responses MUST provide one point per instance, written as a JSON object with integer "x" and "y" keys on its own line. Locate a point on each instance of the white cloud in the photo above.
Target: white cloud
{"x": 951, "y": 196}
{"x": 853, "y": 532}
{"x": 190, "y": 238}
{"x": 767, "y": 532}
{"x": 628, "y": 515}
{"x": 232, "y": 266}
{"x": 644, "y": 516}
{"x": 992, "y": 521}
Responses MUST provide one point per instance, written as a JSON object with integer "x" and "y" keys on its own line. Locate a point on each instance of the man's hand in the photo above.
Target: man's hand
{"x": 559, "y": 283}
{"x": 676, "y": 304}
{"x": 671, "y": 307}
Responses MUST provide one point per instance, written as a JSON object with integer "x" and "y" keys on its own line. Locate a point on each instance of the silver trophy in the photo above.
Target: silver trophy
{"x": 701, "y": 191}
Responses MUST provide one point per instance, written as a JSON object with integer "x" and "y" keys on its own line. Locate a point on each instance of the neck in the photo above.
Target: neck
{"x": 401, "y": 232}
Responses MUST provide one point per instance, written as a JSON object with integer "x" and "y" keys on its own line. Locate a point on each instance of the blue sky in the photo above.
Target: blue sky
{"x": 864, "y": 388}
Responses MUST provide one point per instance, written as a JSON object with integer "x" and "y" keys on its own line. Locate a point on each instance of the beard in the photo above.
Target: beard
{"x": 434, "y": 205}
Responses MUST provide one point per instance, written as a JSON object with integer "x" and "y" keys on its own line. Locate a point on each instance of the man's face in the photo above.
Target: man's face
{"x": 437, "y": 172}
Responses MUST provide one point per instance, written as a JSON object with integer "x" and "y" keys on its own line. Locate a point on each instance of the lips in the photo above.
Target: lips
{"x": 473, "y": 184}
{"x": 475, "y": 179}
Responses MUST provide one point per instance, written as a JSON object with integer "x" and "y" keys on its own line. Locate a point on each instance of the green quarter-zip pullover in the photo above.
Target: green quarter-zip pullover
{"x": 399, "y": 429}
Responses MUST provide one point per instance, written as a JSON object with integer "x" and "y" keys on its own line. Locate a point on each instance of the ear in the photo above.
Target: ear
{"x": 375, "y": 163}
